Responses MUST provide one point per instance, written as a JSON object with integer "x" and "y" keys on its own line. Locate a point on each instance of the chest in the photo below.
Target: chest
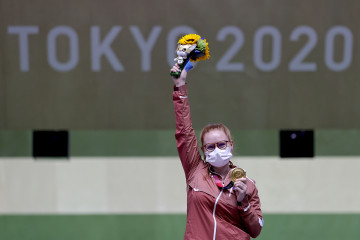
{"x": 205, "y": 183}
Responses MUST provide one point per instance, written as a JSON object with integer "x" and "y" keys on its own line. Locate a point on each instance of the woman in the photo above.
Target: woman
{"x": 216, "y": 208}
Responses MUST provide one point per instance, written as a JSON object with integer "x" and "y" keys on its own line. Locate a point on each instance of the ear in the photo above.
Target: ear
{"x": 232, "y": 145}
{"x": 202, "y": 149}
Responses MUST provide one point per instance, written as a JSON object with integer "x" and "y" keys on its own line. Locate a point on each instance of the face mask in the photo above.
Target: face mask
{"x": 218, "y": 157}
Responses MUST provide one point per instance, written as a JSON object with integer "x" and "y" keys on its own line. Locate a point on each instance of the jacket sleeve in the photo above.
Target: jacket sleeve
{"x": 250, "y": 212}
{"x": 185, "y": 135}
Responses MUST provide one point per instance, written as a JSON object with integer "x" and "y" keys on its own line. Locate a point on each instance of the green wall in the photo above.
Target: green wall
{"x": 162, "y": 143}
{"x": 169, "y": 226}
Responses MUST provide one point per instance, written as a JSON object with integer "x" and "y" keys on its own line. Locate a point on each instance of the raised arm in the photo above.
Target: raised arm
{"x": 185, "y": 135}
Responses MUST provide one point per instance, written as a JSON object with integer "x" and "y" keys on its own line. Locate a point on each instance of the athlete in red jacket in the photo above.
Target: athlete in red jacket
{"x": 216, "y": 207}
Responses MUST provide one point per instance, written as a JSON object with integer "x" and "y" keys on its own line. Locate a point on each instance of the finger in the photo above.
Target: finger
{"x": 174, "y": 69}
{"x": 239, "y": 190}
{"x": 176, "y": 66}
{"x": 243, "y": 180}
{"x": 240, "y": 185}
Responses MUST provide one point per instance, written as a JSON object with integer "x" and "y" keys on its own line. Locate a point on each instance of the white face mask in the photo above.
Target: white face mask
{"x": 218, "y": 157}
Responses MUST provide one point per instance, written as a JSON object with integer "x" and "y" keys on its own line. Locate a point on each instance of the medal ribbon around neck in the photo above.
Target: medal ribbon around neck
{"x": 235, "y": 173}
{"x": 220, "y": 184}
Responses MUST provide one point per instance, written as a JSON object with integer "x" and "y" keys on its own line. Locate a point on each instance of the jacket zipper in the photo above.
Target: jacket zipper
{"x": 216, "y": 201}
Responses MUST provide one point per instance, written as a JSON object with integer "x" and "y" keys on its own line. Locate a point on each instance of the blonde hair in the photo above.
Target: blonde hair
{"x": 213, "y": 126}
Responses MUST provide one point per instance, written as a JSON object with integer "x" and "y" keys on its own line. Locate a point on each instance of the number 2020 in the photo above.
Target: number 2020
{"x": 297, "y": 63}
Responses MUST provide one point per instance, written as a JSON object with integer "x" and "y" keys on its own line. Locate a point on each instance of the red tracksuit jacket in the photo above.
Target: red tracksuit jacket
{"x": 212, "y": 212}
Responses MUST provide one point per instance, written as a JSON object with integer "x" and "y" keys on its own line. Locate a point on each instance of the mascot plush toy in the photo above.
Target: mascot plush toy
{"x": 192, "y": 48}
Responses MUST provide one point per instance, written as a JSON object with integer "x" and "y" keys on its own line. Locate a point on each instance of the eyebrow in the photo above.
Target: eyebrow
{"x": 217, "y": 142}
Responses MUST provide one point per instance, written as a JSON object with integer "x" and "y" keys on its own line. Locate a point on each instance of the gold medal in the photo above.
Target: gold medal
{"x": 237, "y": 173}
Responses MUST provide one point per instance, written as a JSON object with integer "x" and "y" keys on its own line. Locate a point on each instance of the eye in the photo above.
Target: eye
{"x": 221, "y": 145}
{"x": 210, "y": 147}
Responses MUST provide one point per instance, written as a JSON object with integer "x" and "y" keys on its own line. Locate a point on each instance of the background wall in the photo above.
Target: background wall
{"x": 100, "y": 70}
{"x": 105, "y": 64}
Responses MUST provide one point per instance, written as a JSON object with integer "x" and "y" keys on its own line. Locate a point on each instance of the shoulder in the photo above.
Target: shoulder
{"x": 251, "y": 185}
{"x": 201, "y": 169}
{"x": 252, "y": 181}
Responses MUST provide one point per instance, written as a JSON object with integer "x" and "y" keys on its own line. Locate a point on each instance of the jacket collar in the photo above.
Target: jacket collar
{"x": 211, "y": 171}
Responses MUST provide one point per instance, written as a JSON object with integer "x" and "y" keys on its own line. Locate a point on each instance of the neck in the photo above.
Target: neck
{"x": 222, "y": 171}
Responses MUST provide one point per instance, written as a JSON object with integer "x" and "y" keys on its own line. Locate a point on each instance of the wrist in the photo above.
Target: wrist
{"x": 179, "y": 84}
{"x": 181, "y": 89}
{"x": 244, "y": 202}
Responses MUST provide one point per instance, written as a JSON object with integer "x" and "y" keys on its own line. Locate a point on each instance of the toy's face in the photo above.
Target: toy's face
{"x": 185, "y": 49}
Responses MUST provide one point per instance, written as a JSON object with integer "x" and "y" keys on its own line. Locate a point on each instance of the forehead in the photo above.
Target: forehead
{"x": 214, "y": 136}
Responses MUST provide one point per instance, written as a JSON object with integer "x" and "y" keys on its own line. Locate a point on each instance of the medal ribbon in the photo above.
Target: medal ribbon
{"x": 220, "y": 184}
